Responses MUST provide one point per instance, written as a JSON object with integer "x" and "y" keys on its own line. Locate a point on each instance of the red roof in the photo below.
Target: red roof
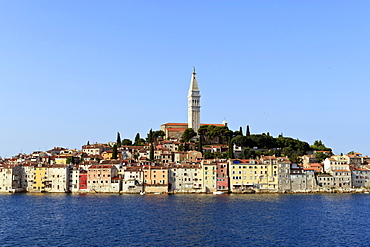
{"x": 175, "y": 124}
{"x": 175, "y": 129}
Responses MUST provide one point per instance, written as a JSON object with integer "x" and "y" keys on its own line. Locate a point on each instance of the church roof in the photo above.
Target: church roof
{"x": 193, "y": 82}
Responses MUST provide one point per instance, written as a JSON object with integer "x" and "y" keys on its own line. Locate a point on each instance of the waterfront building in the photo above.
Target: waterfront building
{"x": 10, "y": 178}
{"x": 27, "y": 176}
{"x": 222, "y": 175}
{"x": 283, "y": 173}
{"x": 268, "y": 173}
{"x": 325, "y": 181}
{"x": 82, "y": 183}
{"x": 302, "y": 179}
{"x": 361, "y": 177}
{"x": 155, "y": 179}
{"x": 246, "y": 174}
{"x": 209, "y": 176}
{"x": 342, "y": 178}
{"x": 56, "y": 178}
{"x": 74, "y": 180}
{"x": 185, "y": 178}
{"x": 99, "y": 178}
{"x": 39, "y": 178}
{"x": 339, "y": 168}
{"x": 132, "y": 179}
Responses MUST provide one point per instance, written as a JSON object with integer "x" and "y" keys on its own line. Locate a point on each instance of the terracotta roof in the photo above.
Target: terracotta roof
{"x": 176, "y": 129}
{"x": 175, "y": 124}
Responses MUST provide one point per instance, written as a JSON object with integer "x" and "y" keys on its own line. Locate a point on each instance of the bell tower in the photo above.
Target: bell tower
{"x": 194, "y": 104}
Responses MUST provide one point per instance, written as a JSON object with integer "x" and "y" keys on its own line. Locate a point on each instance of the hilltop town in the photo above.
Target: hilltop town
{"x": 189, "y": 158}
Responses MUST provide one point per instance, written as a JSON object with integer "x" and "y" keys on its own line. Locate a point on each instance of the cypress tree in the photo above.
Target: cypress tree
{"x": 200, "y": 144}
{"x": 137, "y": 140}
{"x": 88, "y": 143}
{"x": 114, "y": 151}
{"x": 150, "y": 136}
{"x": 118, "y": 142}
{"x": 151, "y": 155}
{"x": 248, "y": 132}
{"x": 241, "y": 130}
{"x": 230, "y": 149}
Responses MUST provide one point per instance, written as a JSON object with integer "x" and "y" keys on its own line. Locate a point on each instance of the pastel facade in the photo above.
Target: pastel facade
{"x": 39, "y": 178}
{"x": 10, "y": 178}
{"x": 133, "y": 180}
{"x": 27, "y": 176}
{"x": 185, "y": 178}
{"x": 155, "y": 179}
{"x": 209, "y": 176}
{"x": 99, "y": 178}
{"x": 222, "y": 176}
{"x": 361, "y": 177}
{"x": 325, "y": 181}
{"x": 74, "y": 179}
{"x": 258, "y": 174}
{"x": 56, "y": 178}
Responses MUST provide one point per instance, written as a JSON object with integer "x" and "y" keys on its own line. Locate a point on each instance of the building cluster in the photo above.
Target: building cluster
{"x": 163, "y": 167}
{"x": 92, "y": 169}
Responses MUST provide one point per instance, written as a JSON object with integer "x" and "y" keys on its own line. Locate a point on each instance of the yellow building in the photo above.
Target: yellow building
{"x": 107, "y": 155}
{"x": 256, "y": 174}
{"x": 39, "y": 177}
{"x": 62, "y": 159}
{"x": 208, "y": 171}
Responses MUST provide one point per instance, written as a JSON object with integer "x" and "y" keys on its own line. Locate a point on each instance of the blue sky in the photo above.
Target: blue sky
{"x": 78, "y": 71}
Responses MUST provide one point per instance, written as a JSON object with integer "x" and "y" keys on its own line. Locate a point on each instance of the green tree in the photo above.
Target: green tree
{"x": 150, "y": 137}
{"x": 320, "y": 156}
{"x": 138, "y": 141}
{"x": 159, "y": 133}
{"x": 88, "y": 143}
{"x": 319, "y": 146}
{"x": 114, "y": 151}
{"x": 188, "y": 134}
{"x": 126, "y": 142}
{"x": 215, "y": 134}
{"x": 248, "y": 133}
{"x": 69, "y": 160}
{"x": 118, "y": 142}
{"x": 200, "y": 144}
{"x": 249, "y": 153}
{"x": 151, "y": 154}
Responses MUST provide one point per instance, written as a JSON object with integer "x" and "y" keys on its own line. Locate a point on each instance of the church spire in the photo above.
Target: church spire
{"x": 194, "y": 104}
{"x": 193, "y": 82}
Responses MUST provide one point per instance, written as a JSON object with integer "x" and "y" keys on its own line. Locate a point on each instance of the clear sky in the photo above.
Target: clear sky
{"x": 77, "y": 71}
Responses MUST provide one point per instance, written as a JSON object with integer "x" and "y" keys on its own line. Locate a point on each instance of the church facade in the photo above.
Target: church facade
{"x": 175, "y": 130}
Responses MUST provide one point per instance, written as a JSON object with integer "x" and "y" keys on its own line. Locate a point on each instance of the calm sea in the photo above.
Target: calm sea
{"x": 185, "y": 220}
